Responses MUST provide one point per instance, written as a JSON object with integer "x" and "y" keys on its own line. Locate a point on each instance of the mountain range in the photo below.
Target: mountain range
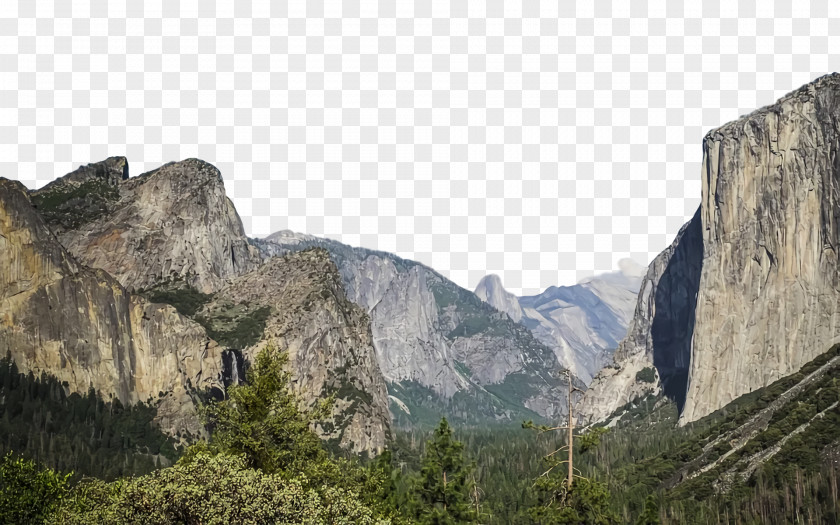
{"x": 147, "y": 289}
{"x": 582, "y": 323}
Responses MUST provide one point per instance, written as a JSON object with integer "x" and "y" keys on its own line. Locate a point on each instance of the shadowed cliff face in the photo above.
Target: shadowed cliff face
{"x": 761, "y": 257}
{"x": 675, "y": 302}
{"x": 659, "y": 335}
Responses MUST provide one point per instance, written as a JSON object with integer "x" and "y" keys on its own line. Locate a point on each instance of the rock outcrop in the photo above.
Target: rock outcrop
{"x": 441, "y": 349}
{"x": 172, "y": 222}
{"x": 770, "y": 287}
{"x": 491, "y": 291}
{"x": 83, "y": 327}
{"x": 172, "y": 234}
{"x": 328, "y": 339}
{"x": 765, "y": 260}
{"x": 583, "y": 323}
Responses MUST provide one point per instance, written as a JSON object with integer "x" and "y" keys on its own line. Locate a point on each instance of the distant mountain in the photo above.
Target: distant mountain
{"x": 582, "y": 324}
{"x": 441, "y": 349}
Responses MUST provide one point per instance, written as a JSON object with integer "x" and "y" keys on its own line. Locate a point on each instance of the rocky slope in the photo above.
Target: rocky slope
{"x": 328, "y": 339}
{"x": 441, "y": 349}
{"x": 769, "y": 456}
{"x": 768, "y": 286}
{"x": 582, "y": 323}
{"x": 83, "y": 327}
{"x": 172, "y": 236}
{"x": 174, "y": 221}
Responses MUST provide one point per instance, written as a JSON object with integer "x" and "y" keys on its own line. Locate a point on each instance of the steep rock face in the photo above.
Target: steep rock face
{"x": 173, "y": 222}
{"x": 764, "y": 258}
{"x": 83, "y": 327}
{"x": 769, "y": 288}
{"x": 81, "y": 196}
{"x": 582, "y": 323}
{"x": 410, "y": 345}
{"x": 328, "y": 339}
{"x": 173, "y": 233}
{"x": 659, "y": 334}
{"x": 441, "y": 350}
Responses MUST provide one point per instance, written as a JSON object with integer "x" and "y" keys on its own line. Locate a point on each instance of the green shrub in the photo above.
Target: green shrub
{"x": 646, "y": 375}
{"x": 28, "y": 493}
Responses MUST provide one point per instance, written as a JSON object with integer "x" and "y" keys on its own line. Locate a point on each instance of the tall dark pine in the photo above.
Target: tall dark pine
{"x": 442, "y": 487}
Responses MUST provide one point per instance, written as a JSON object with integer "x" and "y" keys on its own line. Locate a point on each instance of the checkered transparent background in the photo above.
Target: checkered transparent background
{"x": 541, "y": 141}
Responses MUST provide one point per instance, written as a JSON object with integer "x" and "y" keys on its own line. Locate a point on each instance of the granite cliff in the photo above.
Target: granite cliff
{"x": 172, "y": 236}
{"x": 441, "y": 349}
{"x": 175, "y": 221}
{"x": 762, "y": 250}
{"x": 659, "y": 336}
{"x": 83, "y": 327}
{"x": 328, "y": 339}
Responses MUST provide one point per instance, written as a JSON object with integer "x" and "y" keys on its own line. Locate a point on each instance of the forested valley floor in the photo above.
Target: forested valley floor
{"x": 769, "y": 457}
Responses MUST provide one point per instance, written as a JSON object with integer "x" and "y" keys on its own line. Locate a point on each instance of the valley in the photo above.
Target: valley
{"x": 151, "y": 350}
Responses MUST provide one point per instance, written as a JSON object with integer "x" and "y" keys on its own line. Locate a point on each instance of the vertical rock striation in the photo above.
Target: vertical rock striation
{"x": 763, "y": 252}
{"x": 83, "y": 327}
{"x": 770, "y": 287}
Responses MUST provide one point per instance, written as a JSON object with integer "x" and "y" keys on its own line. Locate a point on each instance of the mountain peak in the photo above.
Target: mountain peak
{"x": 289, "y": 237}
{"x": 489, "y": 281}
{"x": 190, "y": 229}
{"x": 491, "y": 291}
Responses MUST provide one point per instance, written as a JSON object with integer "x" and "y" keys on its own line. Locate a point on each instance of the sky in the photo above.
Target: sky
{"x": 542, "y": 141}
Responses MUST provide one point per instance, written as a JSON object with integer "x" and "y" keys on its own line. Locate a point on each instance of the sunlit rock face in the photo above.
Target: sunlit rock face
{"x": 441, "y": 349}
{"x": 763, "y": 251}
{"x": 174, "y": 227}
{"x": 172, "y": 222}
{"x": 769, "y": 288}
{"x": 80, "y": 325}
{"x": 328, "y": 339}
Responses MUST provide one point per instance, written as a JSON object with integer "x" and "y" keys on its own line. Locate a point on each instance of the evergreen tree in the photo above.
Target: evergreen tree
{"x": 28, "y": 493}
{"x": 587, "y": 502}
{"x": 261, "y": 420}
{"x": 582, "y": 501}
{"x": 441, "y": 490}
{"x": 650, "y": 515}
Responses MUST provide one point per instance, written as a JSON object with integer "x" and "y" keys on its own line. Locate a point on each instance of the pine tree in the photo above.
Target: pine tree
{"x": 442, "y": 488}
{"x": 573, "y": 498}
{"x": 650, "y": 515}
{"x": 261, "y": 420}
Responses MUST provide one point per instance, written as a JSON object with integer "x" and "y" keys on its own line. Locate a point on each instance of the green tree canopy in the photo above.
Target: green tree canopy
{"x": 28, "y": 493}
{"x": 441, "y": 490}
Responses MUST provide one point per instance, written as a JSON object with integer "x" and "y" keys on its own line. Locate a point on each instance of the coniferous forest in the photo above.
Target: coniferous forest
{"x": 82, "y": 459}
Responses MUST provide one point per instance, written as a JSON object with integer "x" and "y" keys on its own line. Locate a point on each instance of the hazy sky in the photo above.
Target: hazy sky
{"x": 542, "y": 141}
